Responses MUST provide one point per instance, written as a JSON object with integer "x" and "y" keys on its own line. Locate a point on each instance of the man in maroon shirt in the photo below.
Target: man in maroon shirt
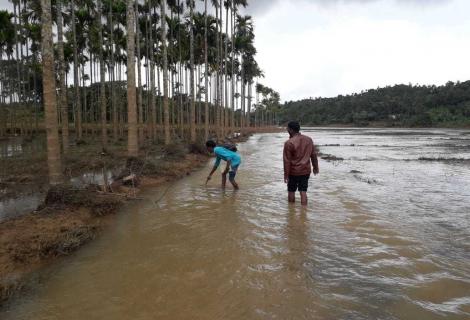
{"x": 299, "y": 152}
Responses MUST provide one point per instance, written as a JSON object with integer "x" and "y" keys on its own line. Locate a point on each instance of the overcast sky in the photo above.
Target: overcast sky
{"x": 311, "y": 48}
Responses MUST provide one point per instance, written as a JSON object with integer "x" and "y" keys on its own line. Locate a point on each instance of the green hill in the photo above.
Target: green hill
{"x": 400, "y": 105}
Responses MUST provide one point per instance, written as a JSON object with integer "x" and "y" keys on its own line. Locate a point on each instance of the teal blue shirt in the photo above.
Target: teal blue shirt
{"x": 226, "y": 155}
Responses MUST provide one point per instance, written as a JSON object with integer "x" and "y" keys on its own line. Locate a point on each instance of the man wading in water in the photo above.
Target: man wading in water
{"x": 232, "y": 158}
{"x": 299, "y": 151}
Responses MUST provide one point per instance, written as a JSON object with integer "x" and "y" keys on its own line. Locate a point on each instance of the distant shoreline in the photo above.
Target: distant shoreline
{"x": 379, "y": 126}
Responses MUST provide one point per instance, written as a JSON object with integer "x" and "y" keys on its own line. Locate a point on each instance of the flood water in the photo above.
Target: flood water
{"x": 385, "y": 236}
{"x": 29, "y": 195}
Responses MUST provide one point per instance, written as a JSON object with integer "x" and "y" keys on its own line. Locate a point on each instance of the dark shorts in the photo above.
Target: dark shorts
{"x": 298, "y": 183}
{"x": 232, "y": 173}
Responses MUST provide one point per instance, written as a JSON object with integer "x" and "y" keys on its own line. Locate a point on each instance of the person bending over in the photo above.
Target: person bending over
{"x": 232, "y": 158}
{"x": 299, "y": 151}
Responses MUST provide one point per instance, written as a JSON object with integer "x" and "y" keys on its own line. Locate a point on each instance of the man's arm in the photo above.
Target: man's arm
{"x": 216, "y": 165}
{"x": 314, "y": 159}
{"x": 287, "y": 161}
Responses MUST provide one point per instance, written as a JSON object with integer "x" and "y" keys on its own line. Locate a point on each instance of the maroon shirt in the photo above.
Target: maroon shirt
{"x": 299, "y": 152}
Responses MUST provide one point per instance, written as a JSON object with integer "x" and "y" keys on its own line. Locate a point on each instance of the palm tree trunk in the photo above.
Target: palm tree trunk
{"x": 153, "y": 104}
{"x": 180, "y": 79}
{"x": 206, "y": 77}
{"x": 159, "y": 109}
{"x": 113, "y": 78}
{"x": 191, "y": 64}
{"x": 166, "y": 113}
{"x": 132, "y": 143}
{"x": 139, "y": 74}
{"x": 242, "y": 111}
{"x": 17, "y": 51}
{"x": 250, "y": 85}
{"x": 63, "y": 88}
{"x": 147, "y": 73}
{"x": 226, "y": 118}
{"x": 77, "y": 102}
{"x": 181, "y": 90}
{"x": 49, "y": 92}
{"x": 221, "y": 79}
{"x": 233, "y": 65}
{"x": 104, "y": 122}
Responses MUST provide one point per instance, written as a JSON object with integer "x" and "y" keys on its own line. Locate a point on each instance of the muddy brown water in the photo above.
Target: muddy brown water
{"x": 385, "y": 236}
{"x": 28, "y": 196}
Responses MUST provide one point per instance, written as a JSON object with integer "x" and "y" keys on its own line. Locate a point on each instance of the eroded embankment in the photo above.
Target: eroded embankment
{"x": 71, "y": 217}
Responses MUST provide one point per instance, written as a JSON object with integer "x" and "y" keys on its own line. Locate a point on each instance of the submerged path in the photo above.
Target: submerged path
{"x": 382, "y": 238}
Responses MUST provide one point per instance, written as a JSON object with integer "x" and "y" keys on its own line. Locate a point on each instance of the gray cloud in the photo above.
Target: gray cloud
{"x": 263, "y": 6}
{"x": 6, "y": 5}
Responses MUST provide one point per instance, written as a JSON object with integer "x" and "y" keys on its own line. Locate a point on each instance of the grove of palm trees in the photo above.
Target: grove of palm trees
{"x": 99, "y": 99}
{"x": 129, "y": 73}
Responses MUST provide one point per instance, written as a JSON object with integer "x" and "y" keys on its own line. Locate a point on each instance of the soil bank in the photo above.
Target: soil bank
{"x": 71, "y": 217}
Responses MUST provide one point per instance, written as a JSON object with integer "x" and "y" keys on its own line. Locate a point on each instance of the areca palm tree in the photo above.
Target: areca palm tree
{"x": 151, "y": 60}
{"x": 76, "y": 100}
{"x": 206, "y": 76}
{"x": 244, "y": 44}
{"x": 49, "y": 94}
{"x": 190, "y": 4}
{"x": 103, "y": 103}
{"x": 166, "y": 111}
{"x": 139, "y": 73}
{"x": 132, "y": 143}
{"x": 7, "y": 42}
{"x": 63, "y": 90}
{"x": 235, "y": 5}
{"x": 200, "y": 55}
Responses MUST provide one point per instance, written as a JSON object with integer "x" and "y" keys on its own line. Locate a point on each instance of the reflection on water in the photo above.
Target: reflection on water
{"x": 97, "y": 178}
{"x": 395, "y": 249}
{"x": 10, "y": 208}
{"x": 23, "y": 203}
{"x": 17, "y": 146}
{"x": 29, "y": 197}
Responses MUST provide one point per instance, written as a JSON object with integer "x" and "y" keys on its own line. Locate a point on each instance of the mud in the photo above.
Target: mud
{"x": 72, "y": 216}
{"x": 69, "y": 218}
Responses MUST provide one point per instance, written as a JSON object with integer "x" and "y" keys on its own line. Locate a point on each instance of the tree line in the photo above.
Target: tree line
{"x": 399, "y": 105}
{"x": 149, "y": 69}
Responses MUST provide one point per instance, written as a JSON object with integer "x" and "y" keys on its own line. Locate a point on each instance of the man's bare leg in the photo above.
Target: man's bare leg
{"x": 224, "y": 180}
{"x": 234, "y": 184}
{"x": 303, "y": 198}
{"x": 291, "y": 197}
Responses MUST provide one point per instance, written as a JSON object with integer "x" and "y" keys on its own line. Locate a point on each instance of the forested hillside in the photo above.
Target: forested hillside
{"x": 400, "y": 105}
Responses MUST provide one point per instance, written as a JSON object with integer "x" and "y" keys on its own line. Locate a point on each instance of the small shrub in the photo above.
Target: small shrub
{"x": 175, "y": 150}
{"x": 197, "y": 148}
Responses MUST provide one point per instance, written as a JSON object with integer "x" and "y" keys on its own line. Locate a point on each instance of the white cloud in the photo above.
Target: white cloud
{"x": 307, "y": 50}
{"x": 264, "y": 6}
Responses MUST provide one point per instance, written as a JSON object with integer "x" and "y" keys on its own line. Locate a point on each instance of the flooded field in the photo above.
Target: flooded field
{"x": 29, "y": 191}
{"x": 386, "y": 235}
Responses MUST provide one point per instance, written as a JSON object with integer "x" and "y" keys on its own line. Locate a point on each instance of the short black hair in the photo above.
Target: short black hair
{"x": 294, "y": 126}
{"x": 210, "y": 144}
